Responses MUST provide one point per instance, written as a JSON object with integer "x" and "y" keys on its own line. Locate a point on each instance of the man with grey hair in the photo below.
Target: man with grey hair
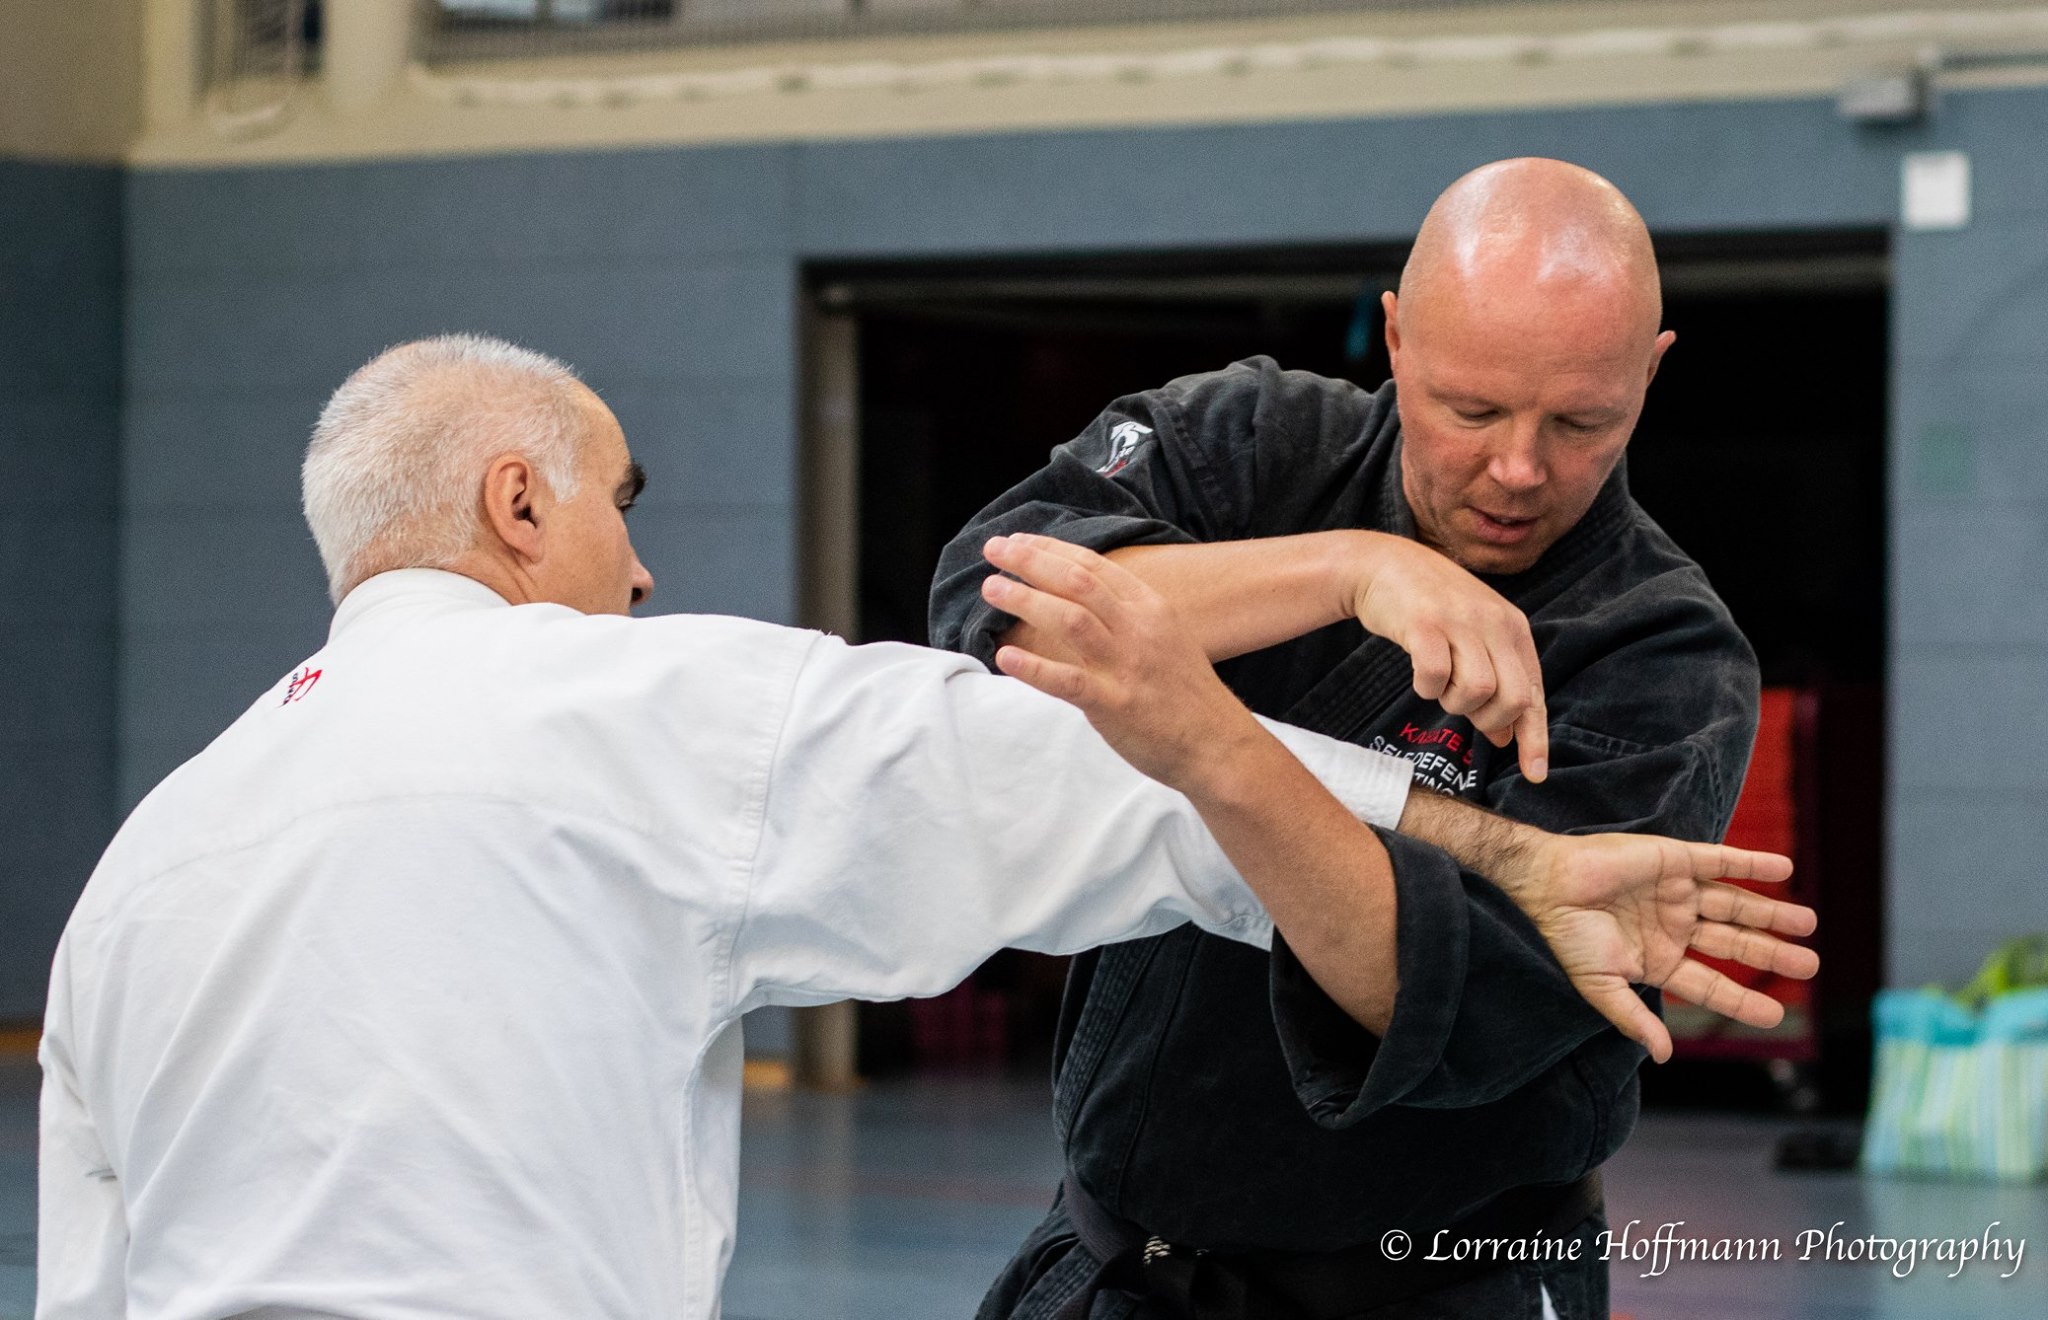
{"x": 389, "y": 472}
{"x": 416, "y": 992}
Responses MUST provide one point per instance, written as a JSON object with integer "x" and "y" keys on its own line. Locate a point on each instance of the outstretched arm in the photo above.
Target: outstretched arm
{"x": 1616, "y": 909}
{"x": 1621, "y": 910}
{"x": 919, "y": 813}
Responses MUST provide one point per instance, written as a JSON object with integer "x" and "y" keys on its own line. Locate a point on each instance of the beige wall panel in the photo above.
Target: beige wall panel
{"x": 1466, "y": 58}
{"x": 70, "y": 78}
{"x": 75, "y": 78}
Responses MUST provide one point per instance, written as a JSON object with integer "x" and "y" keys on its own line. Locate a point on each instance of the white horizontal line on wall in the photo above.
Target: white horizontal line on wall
{"x": 1911, "y": 28}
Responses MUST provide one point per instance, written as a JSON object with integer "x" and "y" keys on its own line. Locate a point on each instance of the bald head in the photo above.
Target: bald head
{"x": 1523, "y": 337}
{"x": 1535, "y": 226}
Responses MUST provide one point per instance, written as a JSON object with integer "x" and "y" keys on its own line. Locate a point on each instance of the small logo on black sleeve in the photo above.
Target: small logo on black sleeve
{"x": 1123, "y": 442}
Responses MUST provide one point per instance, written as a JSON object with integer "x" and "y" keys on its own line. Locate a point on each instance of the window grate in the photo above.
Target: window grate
{"x": 258, "y": 54}
{"x": 454, "y": 30}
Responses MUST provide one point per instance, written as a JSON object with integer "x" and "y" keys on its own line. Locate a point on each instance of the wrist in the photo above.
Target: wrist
{"x": 1356, "y": 560}
{"x": 1528, "y": 862}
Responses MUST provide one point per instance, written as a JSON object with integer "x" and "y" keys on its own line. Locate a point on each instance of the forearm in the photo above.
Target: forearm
{"x": 1517, "y": 1012}
{"x": 1478, "y": 840}
{"x": 1241, "y": 596}
{"x": 1323, "y": 877}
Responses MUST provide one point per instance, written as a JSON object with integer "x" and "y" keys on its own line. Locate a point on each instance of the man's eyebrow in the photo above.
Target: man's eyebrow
{"x": 632, "y": 483}
{"x": 1594, "y": 416}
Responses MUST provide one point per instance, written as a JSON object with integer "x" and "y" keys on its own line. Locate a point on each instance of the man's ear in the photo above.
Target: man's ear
{"x": 1657, "y": 351}
{"x": 512, "y": 494}
{"x": 1390, "y": 304}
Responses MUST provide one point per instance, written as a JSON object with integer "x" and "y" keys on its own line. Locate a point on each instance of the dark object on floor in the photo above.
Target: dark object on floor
{"x": 1819, "y": 1149}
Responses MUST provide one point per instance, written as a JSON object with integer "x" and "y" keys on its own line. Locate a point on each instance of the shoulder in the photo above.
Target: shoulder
{"x": 1642, "y": 586}
{"x": 545, "y": 645}
{"x": 1257, "y": 391}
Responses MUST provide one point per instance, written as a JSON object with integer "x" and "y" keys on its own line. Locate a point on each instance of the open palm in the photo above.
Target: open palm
{"x": 1621, "y": 910}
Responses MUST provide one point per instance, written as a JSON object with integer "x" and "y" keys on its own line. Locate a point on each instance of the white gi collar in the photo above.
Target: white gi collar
{"x": 432, "y": 587}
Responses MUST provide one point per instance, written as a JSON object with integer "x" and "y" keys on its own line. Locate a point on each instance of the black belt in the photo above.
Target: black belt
{"x": 1329, "y": 1285}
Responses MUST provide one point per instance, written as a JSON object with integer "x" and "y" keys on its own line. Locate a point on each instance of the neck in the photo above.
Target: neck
{"x": 500, "y": 576}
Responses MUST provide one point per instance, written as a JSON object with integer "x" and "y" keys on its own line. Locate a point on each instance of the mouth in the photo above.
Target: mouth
{"x": 1503, "y": 529}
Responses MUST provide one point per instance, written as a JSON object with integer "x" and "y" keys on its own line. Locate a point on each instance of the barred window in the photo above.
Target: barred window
{"x": 460, "y": 29}
{"x": 262, "y": 39}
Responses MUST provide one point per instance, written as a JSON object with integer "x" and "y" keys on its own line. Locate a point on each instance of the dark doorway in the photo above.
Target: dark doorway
{"x": 1761, "y": 451}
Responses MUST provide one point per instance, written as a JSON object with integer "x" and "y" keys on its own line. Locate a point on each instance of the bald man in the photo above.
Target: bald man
{"x": 1532, "y": 641}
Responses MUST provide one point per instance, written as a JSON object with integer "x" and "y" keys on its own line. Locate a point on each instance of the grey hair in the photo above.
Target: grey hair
{"x": 391, "y": 478}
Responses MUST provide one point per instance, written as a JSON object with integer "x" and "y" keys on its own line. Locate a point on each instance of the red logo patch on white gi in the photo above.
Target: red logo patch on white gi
{"x": 301, "y": 683}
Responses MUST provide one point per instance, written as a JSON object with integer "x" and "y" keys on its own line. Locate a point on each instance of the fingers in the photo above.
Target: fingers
{"x": 1053, "y": 677}
{"x": 1741, "y": 907}
{"x": 1697, "y": 983}
{"x": 1473, "y": 681}
{"x": 1068, "y": 572}
{"x": 1517, "y": 711}
{"x": 1532, "y": 730}
{"x": 1753, "y": 948}
{"x": 1049, "y": 562}
{"x": 1532, "y": 736}
{"x": 1493, "y": 679}
{"x": 1713, "y": 861}
{"x": 1618, "y": 1002}
{"x": 1061, "y": 622}
{"x": 1431, "y": 654}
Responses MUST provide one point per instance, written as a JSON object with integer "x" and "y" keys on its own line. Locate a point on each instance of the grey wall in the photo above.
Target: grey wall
{"x": 665, "y": 277}
{"x": 60, "y": 248}
{"x": 1969, "y": 796}
{"x": 670, "y": 276}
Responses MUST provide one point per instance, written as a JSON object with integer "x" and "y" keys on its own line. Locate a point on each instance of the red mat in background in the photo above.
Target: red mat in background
{"x": 1767, "y": 819}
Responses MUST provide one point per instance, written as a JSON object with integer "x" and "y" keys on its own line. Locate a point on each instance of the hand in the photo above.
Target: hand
{"x": 1623, "y": 909}
{"x": 1471, "y": 649}
{"x": 1124, "y": 659}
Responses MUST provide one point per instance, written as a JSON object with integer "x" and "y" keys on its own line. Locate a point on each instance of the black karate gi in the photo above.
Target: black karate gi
{"x": 1208, "y": 1093}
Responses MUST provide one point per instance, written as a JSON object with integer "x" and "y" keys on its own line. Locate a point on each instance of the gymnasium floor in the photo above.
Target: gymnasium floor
{"x": 899, "y": 1202}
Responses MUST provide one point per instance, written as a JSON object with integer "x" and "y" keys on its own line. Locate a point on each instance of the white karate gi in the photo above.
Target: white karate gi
{"x": 410, "y": 995}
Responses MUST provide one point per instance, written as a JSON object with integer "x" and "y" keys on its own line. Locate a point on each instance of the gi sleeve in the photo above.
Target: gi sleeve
{"x": 1188, "y": 462}
{"x": 921, "y": 814}
{"x": 81, "y": 1220}
{"x": 1650, "y": 733}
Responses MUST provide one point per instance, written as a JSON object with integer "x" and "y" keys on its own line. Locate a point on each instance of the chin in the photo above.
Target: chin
{"x": 1498, "y": 560}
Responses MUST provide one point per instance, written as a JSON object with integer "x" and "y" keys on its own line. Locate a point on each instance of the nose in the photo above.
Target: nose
{"x": 643, "y": 582}
{"x": 1518, "y": 464}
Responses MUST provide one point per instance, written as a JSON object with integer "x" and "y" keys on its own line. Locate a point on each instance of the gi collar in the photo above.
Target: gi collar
{"x": 430, "y": 587}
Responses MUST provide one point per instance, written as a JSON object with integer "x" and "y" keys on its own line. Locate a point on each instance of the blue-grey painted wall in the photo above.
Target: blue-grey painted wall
{"x": 1969, "y": 577}
{"x": 60, "y": 377}
{"x": 670, "y": 277}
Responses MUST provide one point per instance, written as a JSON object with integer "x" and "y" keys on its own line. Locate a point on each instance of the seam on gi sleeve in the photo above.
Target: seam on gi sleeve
{"x": 1208, "y": 487}
{"x": 1151, "y": 1073}
{"x": 1717, "y": 785}
{"x": 725, "y": 956}
{"x": 1597, "y": 1140}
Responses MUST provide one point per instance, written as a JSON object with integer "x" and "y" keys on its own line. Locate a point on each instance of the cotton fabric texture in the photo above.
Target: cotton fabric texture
{"x": 417, "y": 992}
